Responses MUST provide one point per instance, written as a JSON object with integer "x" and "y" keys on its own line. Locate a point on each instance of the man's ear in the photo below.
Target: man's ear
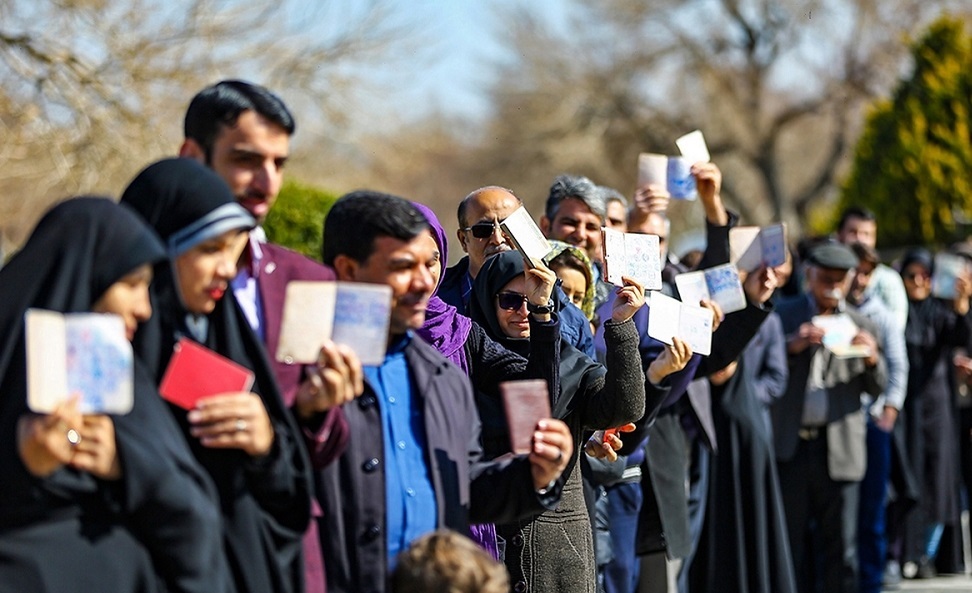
{"x": 545, "y": 226}
{"x": 461, "y": 235}
{"x": 345, "y": 267}
{"x": 192, "y": 150}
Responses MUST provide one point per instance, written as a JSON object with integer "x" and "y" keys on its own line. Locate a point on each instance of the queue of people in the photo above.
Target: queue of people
{"x": 773, "y": 464}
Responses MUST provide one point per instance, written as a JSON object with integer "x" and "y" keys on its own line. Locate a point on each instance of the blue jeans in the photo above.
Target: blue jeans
{"x": 624, "y": 504}
{"x": 871, "y": 542}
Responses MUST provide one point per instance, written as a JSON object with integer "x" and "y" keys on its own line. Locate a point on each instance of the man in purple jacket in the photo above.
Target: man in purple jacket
{"x": 242, "y": 131}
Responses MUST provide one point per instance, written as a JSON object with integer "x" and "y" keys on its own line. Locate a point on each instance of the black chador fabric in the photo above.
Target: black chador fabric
{"x": 575, "y": 366}
{"x": 152, "y": 529}
{"x": 265, "y": 502}
{"x": 744, "y": 547}
{"x": 555, "y": 550}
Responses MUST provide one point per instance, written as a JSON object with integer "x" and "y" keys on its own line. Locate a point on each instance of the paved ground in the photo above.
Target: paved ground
{"x": 939, "y": 585}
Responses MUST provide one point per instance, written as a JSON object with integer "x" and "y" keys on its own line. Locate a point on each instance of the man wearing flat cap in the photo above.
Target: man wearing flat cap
{"x": 818, "y": 424}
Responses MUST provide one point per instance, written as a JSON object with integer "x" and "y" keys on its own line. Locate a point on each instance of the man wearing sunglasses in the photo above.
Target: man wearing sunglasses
{"x": 480, "y": 214}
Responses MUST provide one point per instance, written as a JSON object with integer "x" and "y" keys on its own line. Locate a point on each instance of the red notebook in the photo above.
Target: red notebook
{"x": 195, "y": 372}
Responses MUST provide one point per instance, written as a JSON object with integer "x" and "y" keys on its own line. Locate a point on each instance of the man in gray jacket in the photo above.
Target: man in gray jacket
{"x": 414, "y": 460}
{"x": 818, "y": 424}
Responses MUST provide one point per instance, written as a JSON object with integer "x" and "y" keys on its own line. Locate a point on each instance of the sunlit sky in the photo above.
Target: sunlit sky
{"x": 460, "y": 39}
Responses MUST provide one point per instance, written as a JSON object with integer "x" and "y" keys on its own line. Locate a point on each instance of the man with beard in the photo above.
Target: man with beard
{"x": 242, "y": 132}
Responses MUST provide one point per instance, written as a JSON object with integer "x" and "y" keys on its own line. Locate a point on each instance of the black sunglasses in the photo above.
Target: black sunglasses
{"x": 482, "y": 230}
{"x": 511, "y": 301}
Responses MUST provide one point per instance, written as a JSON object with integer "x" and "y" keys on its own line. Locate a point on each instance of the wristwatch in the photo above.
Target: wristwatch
{"x": 546, "y": 489}
{"x": 541, "y": 309}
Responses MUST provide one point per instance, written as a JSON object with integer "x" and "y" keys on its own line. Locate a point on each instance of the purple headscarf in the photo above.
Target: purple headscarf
{"x": 444, "y": 328}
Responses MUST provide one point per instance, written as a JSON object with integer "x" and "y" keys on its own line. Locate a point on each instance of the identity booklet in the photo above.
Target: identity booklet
{"x": 668, "y": 318}
{"x": 720, "y": 284}
{"x": 351, "y": 313}
{"x": 84, "y": 355}
{"x": 631, "y": 254}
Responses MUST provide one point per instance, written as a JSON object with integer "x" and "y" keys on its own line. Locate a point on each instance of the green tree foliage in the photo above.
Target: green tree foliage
{"x": 913, "y": 164}
{"x": 297, "y": 218}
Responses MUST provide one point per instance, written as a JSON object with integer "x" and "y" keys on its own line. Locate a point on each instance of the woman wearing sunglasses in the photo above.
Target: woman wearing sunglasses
{"x": 96, "y": 502}
{"x": 554, "y": 551}
{"x": 488, "y": 363}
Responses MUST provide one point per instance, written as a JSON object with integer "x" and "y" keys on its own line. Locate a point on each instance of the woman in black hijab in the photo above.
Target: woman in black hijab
{"x": 96, "y": 502}
{"x": 935, "y": 328}
{"x": 246, "y": 441}
{"x": 554, "y": 550}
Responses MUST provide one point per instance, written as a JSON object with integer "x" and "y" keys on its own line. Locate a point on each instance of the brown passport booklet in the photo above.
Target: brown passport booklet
{"x": 526, "y": 402}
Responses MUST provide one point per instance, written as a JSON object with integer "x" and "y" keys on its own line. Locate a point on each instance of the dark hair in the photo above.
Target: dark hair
{"x": 221, "y": 105}
{"x": 566, "y": 259}
{"x": 358, "y": 218}
{"x": 866, "y": 253}
{"x": 854, "y": 212}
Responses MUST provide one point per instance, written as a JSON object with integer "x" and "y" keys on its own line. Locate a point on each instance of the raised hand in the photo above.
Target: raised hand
{"x": 46, "y": 442}
{"x": 605, "y": 444}
{"x": 717, "y": 314}
{"x": 540, "y": 283}
{"x": 672, "y": 359}
{"x": 631, "y": 297}
{"x": 553, "y": 448}
{"x": 97, "y": 452}
{"x": 760, "y": 284}
{"x": 336, "y": 380}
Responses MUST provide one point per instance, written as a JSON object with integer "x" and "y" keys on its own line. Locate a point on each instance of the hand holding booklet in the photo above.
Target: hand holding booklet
{"x": 751, "y": 247}
{"x": 350, "y": 313}
{"x": 631, "y": 254}
{"x": 839, "y": 332}
{"x": 526, "y": 236}
{"x": 948, "y": 268}
{"x": 83, "y": 355}
{"x": 674, "y": 173}
{"x": 671, "y": 172}
{"x": 526, "y": 403}
{"x": 720, "y": 284}
{"x": 668, "y": 318}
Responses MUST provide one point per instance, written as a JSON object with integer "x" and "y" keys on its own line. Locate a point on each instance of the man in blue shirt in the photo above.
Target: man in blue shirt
{"x": 414, "y": 461}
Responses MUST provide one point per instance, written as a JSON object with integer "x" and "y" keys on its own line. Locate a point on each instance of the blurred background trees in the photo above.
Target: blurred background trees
{"x": 92, "y": 90}
{"x": 913, "y": 164}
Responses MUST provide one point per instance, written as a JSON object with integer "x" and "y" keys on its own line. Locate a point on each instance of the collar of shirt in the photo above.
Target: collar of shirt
{"x": 256, "y": 252}
{"x": 398, "y": 343}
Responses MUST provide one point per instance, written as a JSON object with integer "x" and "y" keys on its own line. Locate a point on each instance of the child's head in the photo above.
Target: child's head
{"x": 448, "y": 562}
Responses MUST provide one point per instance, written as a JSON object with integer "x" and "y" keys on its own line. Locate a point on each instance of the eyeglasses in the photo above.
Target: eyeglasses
{"x": 482, "y": 230}
{"x": 511, "y": 301}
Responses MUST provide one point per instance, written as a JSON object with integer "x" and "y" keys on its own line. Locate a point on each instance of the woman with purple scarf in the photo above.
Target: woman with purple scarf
{"x": 486, "y": 362}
